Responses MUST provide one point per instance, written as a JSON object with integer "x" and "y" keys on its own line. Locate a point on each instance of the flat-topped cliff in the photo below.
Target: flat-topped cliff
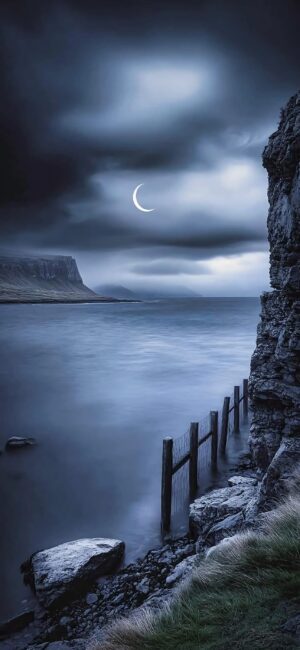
{"x": 54, "y": 278}
{"x": 275, "y": 368}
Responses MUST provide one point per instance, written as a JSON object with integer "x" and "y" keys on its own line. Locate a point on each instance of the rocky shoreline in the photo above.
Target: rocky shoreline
{"x": 150, "y": 581}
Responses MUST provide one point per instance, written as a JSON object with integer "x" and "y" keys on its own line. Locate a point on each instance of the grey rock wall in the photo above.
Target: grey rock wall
{"x": 275, "y": 368}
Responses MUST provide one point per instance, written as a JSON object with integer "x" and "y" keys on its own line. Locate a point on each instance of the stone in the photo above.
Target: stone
{"x": 18, "y": 442}
{"x": 241, "y": 480}
{"x": 181, "y": 570}
{"x": 143, "y": 587}
{"x": 274, "y": 385}
{"x": 16, "y": 623}
{"x": 226, "y": 527}
{"x": 118, "y": 599}
{"x": 64, "y": 621}
{"x": 91, "y": 599}
{"x": 215, "y": 508}
{"x": 58, "y": 573}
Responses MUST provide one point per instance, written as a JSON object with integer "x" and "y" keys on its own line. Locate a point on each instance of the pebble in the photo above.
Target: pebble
{"x": 65, "y": 621}
{"x": 91, "y": 599}
{"x": 143, "y": 587}
{"x": 118, "y": 599}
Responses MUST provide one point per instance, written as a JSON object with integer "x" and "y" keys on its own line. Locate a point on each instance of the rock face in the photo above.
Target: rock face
{"x": 275, "y": 369}
{"x": 57, "y": 573}
{"x": 17, "y": 442}
{"x": 42, "y": 279}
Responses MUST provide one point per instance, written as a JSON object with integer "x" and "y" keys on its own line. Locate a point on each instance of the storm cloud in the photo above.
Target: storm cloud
{"x": 99, "y": 97}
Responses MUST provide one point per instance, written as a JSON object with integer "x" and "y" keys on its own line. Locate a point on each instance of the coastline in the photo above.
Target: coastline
{"x": 54, "y": 301}
{"x": 149, "y": 581}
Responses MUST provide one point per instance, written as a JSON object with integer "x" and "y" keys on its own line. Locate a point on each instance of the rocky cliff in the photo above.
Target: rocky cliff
{"x": 42, "y": 279}
{"x": 275, "y": 370}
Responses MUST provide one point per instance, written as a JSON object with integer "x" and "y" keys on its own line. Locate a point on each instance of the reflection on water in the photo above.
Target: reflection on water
{"x": 99, "y": 386}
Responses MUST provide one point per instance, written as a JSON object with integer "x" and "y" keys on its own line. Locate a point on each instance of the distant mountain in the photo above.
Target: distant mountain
{"x": 123, "y": 293}
{"x": 164, "y": 293}
{"x": 49, "y": 278}
{"x": 116, "y": 291}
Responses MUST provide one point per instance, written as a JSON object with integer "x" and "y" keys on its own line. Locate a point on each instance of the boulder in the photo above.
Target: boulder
{"x": 223, "y": 512}
{"x": 241, "y": 480}
{"x": 18, "y": 442}
{"x": 58, "y": 574}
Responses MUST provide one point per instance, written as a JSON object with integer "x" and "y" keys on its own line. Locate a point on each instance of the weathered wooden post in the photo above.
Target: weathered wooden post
{"x": 236, "y": 410}
{"x": 245, "y": 398}
{"x": 214, "y": 438}
{"x": 224, "y": 424}
{"x": 166, "y": 484}
{"x": 193, "y": 464}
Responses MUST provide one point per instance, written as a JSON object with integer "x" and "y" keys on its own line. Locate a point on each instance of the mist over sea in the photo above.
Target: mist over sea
{"x": 99, "y": 386}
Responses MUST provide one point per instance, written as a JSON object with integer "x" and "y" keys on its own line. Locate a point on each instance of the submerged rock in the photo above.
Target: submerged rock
{"x": 17, "y": 623}
{"x": 58, "y": 573}
{"x": 223, "y": 512}
{"x": 18, "y": 442}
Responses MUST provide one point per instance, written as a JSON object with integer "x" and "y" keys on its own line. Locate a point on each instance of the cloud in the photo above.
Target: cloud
{"x": 171, "y": 267}
{"x": 179, "y": 96}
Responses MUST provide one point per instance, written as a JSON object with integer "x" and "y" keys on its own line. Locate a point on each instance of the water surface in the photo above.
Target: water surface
{"x": 99, "y": 386}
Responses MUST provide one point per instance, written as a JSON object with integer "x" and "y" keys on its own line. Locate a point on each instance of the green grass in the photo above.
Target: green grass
{"x": 237, "y": 598}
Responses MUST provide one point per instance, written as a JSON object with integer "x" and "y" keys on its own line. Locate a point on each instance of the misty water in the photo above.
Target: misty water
{"x": 99, "y": 386}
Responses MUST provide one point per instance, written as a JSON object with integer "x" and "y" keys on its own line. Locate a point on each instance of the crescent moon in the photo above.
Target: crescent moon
{"x": 136, "y": 203}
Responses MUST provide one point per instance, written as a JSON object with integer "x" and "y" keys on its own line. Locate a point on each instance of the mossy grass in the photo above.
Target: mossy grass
{"x": 238, "y": 598}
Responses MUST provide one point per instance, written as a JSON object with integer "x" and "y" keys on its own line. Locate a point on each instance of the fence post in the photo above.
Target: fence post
{"x": 193, "y": 464}
{"x": 166, "y": 484}
{"x": 224, "y": 424}
{"x": 236, "y": 411}
{"x": 214, "y": 438}
{"x": 245, "y": 398}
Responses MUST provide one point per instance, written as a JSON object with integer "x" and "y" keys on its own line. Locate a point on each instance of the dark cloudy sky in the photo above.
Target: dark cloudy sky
{"x": 98, "y": 97}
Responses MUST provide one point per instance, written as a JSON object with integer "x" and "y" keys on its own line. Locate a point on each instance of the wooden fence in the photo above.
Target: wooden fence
{"x": 169, "y": 467}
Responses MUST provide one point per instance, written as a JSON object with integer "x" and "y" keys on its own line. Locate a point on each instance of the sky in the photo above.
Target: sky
{"x": 99, "y": 97}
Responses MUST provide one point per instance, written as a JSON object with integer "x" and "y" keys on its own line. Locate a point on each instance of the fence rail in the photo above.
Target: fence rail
{"x": 170, "y": 465}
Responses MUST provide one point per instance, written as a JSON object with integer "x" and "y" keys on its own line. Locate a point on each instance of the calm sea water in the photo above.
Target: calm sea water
{"x": 99, "y": 386}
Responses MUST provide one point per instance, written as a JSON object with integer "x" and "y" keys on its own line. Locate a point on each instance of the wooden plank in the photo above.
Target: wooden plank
{"x": 193, "y": 464}
{"x": 214, "y": 438}
{"x": 236, "y": 414}
{"x": 181, "y": 463}
{"x": 245, "y": 398}
{"x": 204, "y": 438}
{"x": 224, "y": 424}
{"x": 166, "y": 484}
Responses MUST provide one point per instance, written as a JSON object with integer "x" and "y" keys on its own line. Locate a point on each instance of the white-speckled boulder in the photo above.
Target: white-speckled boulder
{"x": 58, "y": 573}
